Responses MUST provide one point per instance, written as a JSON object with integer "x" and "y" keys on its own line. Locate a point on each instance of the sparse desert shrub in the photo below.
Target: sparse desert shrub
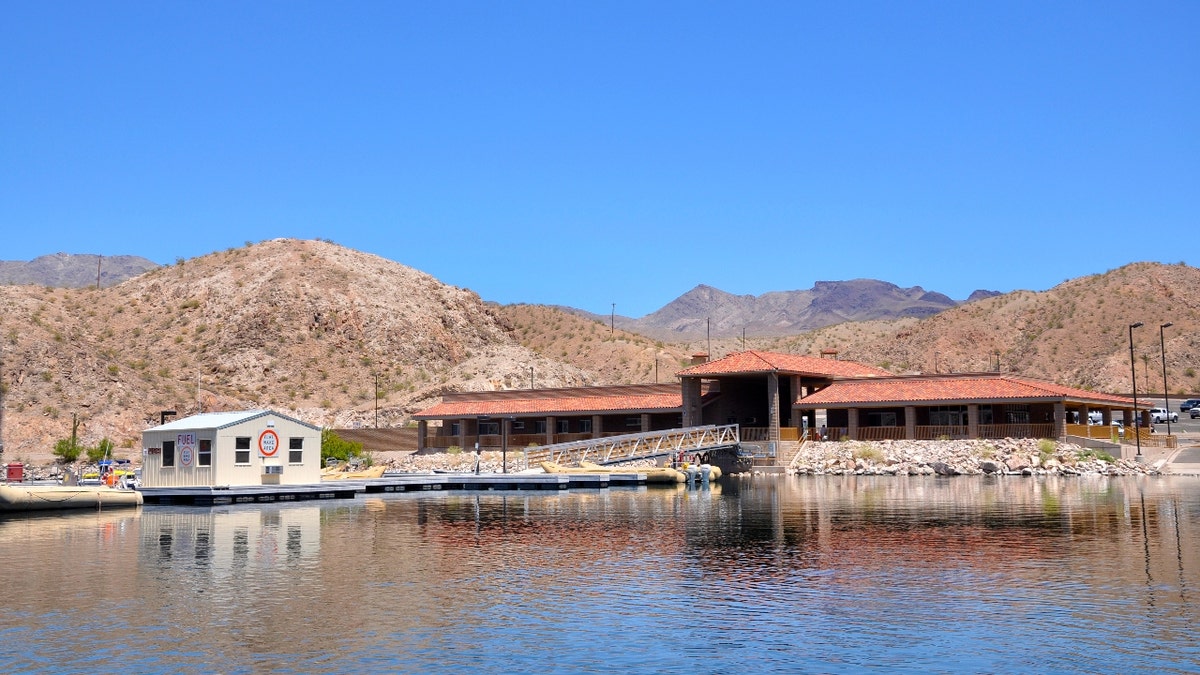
{"x": 869, "y": 452}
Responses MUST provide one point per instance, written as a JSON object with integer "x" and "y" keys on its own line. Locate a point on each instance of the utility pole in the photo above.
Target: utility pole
{"x": 98, "y": 259}
{"x": 1, "y": 405}
{"x": 612, "y": 320}
{"x": 376, "y": 401}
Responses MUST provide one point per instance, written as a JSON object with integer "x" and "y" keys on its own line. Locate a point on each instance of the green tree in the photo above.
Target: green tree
{"x": 337, "y": 448}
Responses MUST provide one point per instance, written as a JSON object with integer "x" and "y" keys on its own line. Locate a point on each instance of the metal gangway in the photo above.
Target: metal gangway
{"x": 629, "y": 447}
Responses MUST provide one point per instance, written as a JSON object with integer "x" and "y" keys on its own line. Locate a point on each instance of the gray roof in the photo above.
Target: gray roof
{"x": 220, "y": 420}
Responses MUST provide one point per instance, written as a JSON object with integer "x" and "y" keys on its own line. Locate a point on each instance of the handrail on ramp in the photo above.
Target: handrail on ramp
{"x": 630, "y": 447}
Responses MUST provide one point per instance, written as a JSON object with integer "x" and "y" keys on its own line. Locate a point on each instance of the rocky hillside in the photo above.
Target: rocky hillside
{"x": 305, "y": 327}
{"x": 1076, "y": 333}
{"x": 706, "y": 311}
{"x": 615, "y": 357}
{"x": 69, "y": 270}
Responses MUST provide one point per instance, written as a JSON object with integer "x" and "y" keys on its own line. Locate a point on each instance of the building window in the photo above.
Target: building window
{"x": 633, "y": 421}
{"x": 539, "y": 426}
{"x": 881, "y": 419}
{"x": 585, "y": 426}
{"x": 489, "y": 428}
{"x": 241, "y": 447}
{"x": 948, "y": 415}
{"x": 518, "y": 425}
{"x": 564, "y": 426}
{"x": 296, "y": 450}
{"x": 168, "y": 453}
{"x": 1017, "y": 414}
{"x": 456, "y": 428}
{"x": 204, "y": 455}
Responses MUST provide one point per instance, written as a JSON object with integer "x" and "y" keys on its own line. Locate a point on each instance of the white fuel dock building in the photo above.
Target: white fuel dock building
{"x": 248, "y": 448}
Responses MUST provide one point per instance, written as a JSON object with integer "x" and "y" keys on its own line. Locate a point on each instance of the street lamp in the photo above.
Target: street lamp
{"x": 478, "y": 430}
{"x": 1163, "y": 345}
{"x": 1133, "y": 375}
{"x": 504, "y": 425}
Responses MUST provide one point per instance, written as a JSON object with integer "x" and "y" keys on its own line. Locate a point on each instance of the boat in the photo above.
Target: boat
{"x": 32, "y": 497}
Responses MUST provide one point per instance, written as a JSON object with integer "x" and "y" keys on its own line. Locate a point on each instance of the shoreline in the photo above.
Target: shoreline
{"x": 1009, "y": 456}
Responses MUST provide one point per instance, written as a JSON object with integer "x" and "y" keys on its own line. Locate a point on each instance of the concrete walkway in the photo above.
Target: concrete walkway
{"x": 1185, "y": 460}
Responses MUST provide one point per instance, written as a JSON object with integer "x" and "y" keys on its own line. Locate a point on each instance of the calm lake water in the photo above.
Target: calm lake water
{"x": 771, "y": 575}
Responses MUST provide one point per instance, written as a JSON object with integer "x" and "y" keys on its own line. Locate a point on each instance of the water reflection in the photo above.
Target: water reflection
{"x": 766, "y": 575}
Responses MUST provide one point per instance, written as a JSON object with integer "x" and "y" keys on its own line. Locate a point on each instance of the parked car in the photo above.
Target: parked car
{"x": 1189, "y": 404}
{"x": 1160, "y": 415}
{"x": 1194, "y": 412}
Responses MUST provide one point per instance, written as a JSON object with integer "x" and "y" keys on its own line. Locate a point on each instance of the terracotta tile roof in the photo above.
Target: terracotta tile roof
{"x": 575, "y": 400}
{"x": 947, "y": 388}
{"x": 752, "y": 361}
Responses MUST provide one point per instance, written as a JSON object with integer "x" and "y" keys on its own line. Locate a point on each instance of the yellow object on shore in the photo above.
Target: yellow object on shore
{"x": 369, "y": 472}
{"x": 18, "y": 497}
{"x": 654, "y": 474}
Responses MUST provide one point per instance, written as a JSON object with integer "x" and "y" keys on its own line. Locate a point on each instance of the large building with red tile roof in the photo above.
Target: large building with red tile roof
{"x": 520, "y": 417}
{"x": 774, "y": 397}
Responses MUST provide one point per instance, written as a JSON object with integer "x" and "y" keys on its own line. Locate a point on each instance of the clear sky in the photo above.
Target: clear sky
{"x": 589, "y": 153}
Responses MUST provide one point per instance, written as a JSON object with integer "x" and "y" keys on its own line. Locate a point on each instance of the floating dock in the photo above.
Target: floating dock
{"x": 396, "y": 482}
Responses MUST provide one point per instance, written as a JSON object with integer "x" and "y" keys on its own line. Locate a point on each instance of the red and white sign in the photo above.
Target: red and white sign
{"x": 268, "y": 443}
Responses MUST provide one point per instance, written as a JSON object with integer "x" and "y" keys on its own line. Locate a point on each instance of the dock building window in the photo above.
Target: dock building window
{"x": 204, "y": 455}
{"x": 241, "y": 450}
{"x": 296, "y": 450}
{"x": 168, "y": 453}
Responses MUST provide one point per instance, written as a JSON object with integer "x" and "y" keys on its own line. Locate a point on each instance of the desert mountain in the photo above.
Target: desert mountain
{"x": 705, "y": 311}
{"x": 304, "y": 327}
{"x": 1076, "y": 333}
{"x": 316, "y": 330}
{"x": 68, "y": 270}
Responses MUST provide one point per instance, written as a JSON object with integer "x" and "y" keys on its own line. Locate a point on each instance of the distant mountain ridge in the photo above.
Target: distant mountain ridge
{"x": 73, "y": 270}
{"x": 706, "y": 310}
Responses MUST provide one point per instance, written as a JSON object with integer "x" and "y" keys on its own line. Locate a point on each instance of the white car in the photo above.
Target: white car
{"x": 1160, "y": 415}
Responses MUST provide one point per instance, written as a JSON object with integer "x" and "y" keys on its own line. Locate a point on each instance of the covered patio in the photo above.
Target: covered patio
{"x": 978, "y": 405}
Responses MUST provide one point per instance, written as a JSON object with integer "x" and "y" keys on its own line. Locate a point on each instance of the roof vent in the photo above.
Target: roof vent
{"x": 829, "y": 354}
{"x": 699, "y": 357}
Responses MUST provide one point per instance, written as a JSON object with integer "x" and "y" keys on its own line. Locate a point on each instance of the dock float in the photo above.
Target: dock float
{"x": 411, "y": 482}
{"x": 245, "y": 494}
{"x": 394, "y": 482}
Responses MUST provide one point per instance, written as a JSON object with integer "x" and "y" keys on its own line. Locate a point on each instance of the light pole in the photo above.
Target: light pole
{"x": 612, "y": 320}
{"x": 505, "y": 423}
{"x": 376, "y": 401}
{"x": 1162, "y": 344}
{"x": 531, "y": 377}
{"x": 1133, "y": 375}
{"x": 478, "y": 430}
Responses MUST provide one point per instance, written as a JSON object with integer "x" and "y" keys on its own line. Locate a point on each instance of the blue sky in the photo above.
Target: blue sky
{"x": 586, "y": 154}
